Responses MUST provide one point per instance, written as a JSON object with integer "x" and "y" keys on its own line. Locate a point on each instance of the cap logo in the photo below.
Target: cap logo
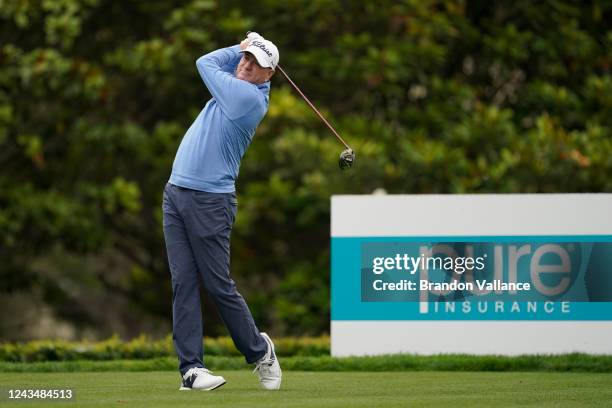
{"x": 261, "y": 45}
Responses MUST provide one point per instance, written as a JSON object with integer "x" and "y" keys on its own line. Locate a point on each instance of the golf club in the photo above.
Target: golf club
{"x": 347, "y": 157}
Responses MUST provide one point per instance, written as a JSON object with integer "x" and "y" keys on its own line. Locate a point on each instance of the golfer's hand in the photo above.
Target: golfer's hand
{"x": 254, "y": 36}
{"x": 251, "y": 35}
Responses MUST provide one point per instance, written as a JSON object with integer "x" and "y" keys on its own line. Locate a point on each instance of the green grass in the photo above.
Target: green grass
{"x": 401, "y": 362}
{"x": 327, "y": 389}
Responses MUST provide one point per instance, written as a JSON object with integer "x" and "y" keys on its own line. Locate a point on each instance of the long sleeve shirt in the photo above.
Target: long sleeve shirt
{"x": 208, "y": 158}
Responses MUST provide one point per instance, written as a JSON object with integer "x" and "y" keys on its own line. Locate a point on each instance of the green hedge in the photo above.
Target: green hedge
{"x": 145, "y": 348}
{"x": 574, "y": 362}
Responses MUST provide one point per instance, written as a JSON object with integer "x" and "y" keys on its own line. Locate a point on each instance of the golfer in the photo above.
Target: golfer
{"x": 199, "y": 208}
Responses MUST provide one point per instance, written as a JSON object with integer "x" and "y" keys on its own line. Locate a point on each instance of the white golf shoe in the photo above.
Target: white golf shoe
{"x": 198, "y": 378}
{"x": 268, "y": 369}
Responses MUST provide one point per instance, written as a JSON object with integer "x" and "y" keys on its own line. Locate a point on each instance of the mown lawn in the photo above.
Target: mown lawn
{"x": 326, "y": 389}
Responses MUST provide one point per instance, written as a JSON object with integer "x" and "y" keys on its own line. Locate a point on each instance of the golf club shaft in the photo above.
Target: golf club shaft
{"x": 313, "y": 108}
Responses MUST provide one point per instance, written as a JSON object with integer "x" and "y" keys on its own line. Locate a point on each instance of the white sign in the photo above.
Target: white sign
{"x": 478, "y": 274}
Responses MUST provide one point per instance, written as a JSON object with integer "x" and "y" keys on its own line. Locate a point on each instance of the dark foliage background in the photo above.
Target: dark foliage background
{"x": 435, "y": 96}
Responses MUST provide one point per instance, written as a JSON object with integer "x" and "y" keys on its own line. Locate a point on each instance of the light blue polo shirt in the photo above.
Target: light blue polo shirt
{"x": 209, "y": 156}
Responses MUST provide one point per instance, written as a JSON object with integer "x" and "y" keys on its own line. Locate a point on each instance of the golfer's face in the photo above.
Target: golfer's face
{"x": 249, "y": 70}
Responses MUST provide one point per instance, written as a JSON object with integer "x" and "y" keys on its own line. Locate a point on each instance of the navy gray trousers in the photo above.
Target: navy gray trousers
{"x": 197, "y": 228}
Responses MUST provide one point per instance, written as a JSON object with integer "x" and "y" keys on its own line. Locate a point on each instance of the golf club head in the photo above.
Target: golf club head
{"x": 347, "y": 159}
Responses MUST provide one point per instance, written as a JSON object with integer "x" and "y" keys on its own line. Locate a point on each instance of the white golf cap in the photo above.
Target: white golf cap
{"x": 265, "y": 52}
